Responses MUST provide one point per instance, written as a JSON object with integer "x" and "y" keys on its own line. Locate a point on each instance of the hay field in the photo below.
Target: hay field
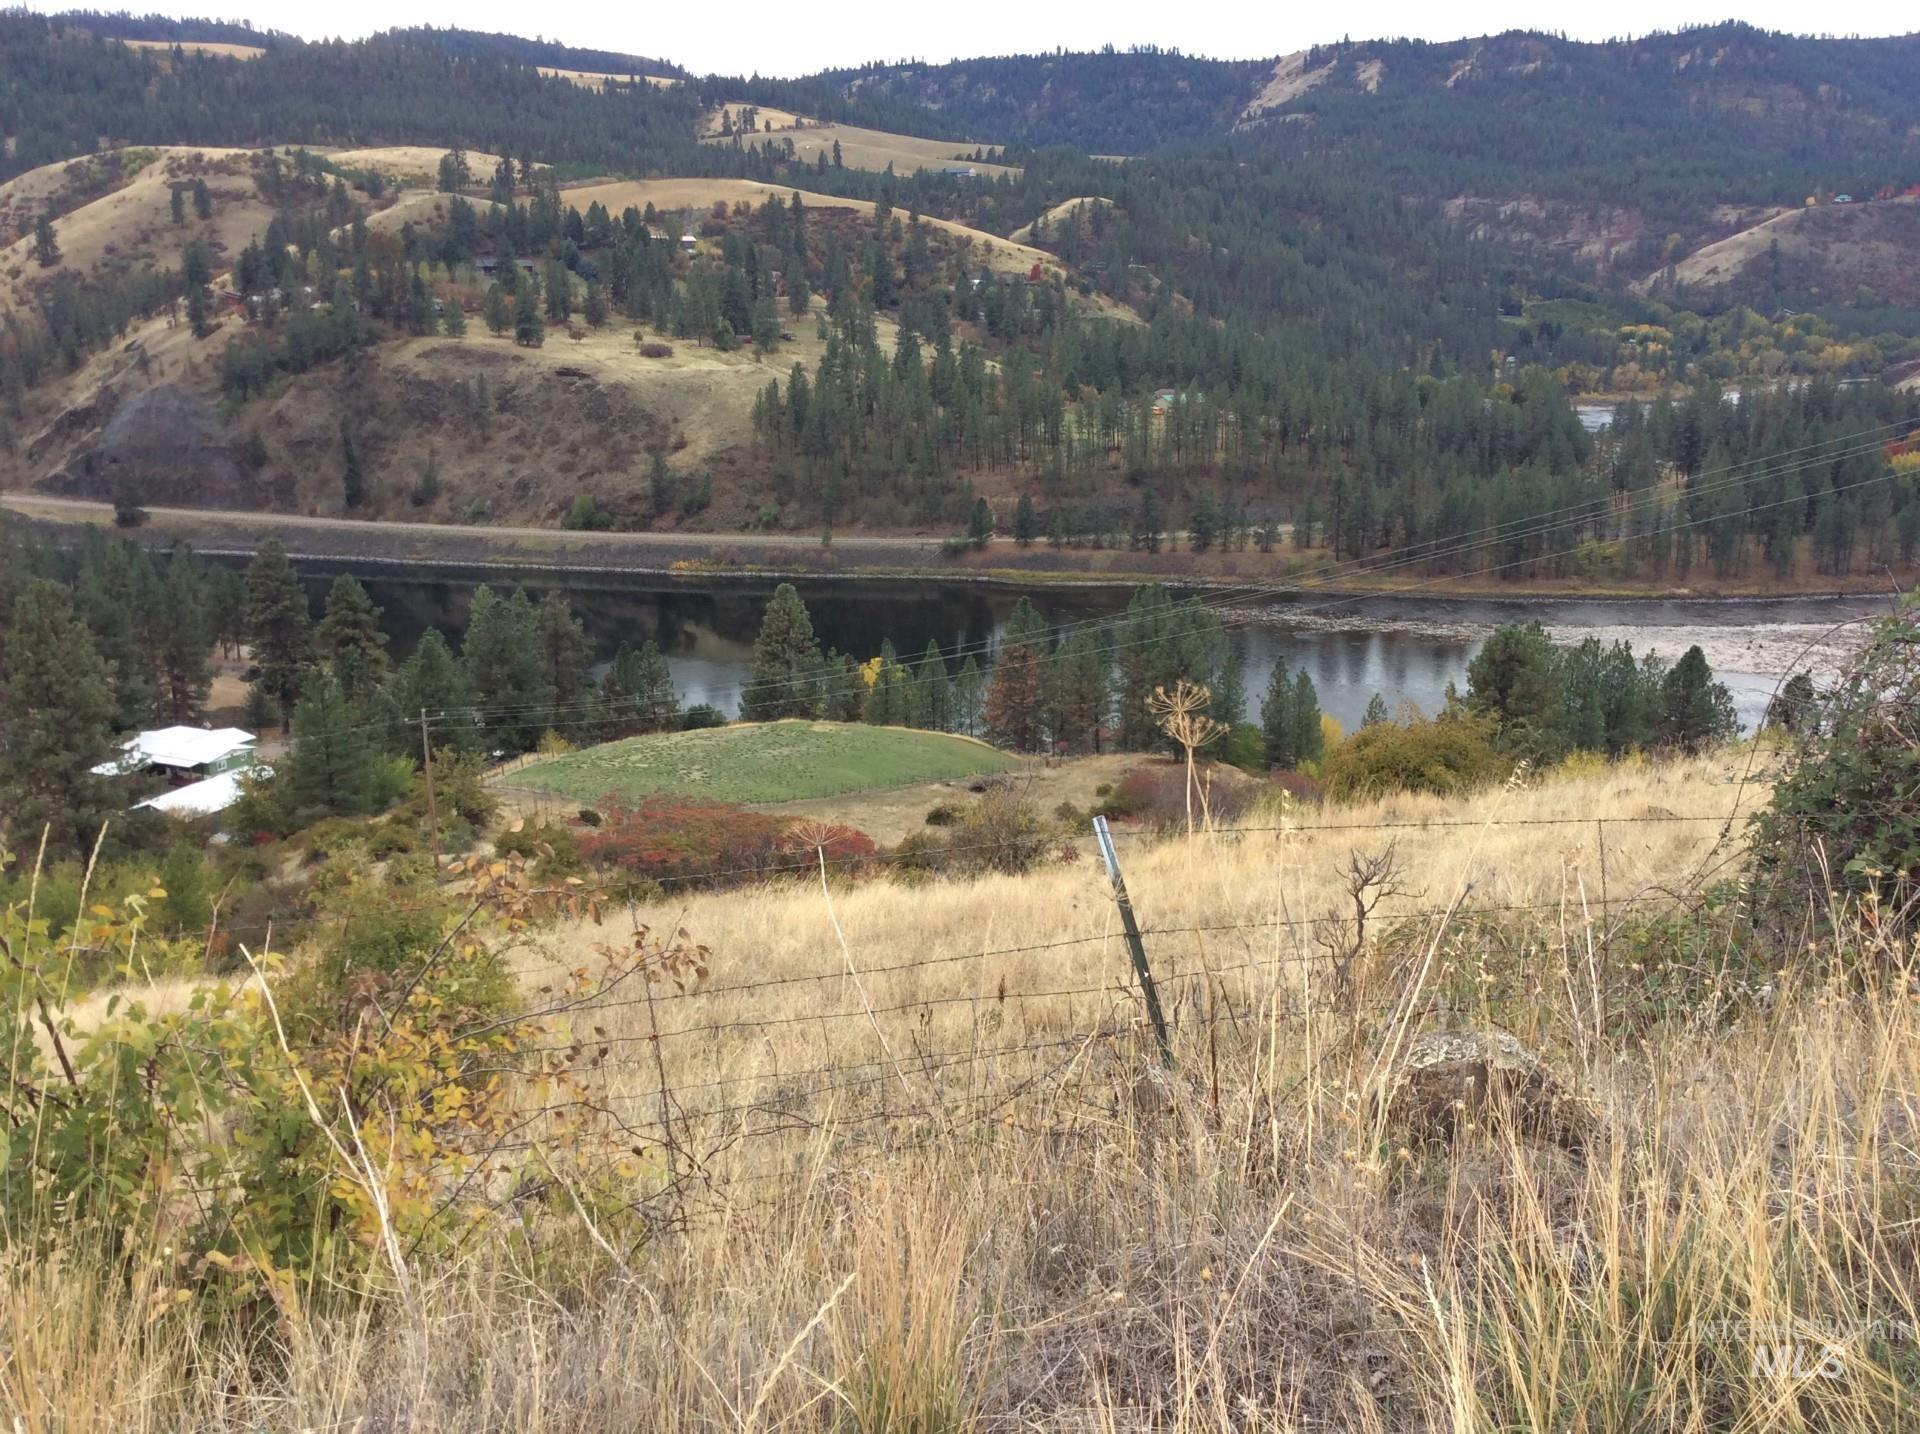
{"x": 762, "y": 762}
{"x": 1002, "y": 255}
{"x": 859, "y": 148}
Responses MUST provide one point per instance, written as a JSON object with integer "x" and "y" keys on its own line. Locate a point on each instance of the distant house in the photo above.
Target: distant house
{"x": 1168, "y": 399}
{"x": 961, "y": 171}
{"x": 488, "y": 265}
{"x": 688, "y": 243}
{"x": 202, "y": 767}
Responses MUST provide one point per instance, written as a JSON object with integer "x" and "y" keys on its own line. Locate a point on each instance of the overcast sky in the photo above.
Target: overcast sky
{"x": 790, "y": 39}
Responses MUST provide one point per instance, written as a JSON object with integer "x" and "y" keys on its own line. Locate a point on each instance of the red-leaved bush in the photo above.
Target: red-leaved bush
{"x": 677, "y": 838}
{"x": 1156, "y": 795}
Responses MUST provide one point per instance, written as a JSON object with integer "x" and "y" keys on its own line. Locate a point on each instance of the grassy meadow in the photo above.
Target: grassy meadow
{"x": 761, "y": 762}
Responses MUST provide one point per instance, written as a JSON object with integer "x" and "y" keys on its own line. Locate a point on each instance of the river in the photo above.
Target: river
{"x": 1405, "y": 648}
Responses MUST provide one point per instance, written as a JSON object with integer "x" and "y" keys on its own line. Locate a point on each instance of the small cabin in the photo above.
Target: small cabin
{"x": 688, "y": 243}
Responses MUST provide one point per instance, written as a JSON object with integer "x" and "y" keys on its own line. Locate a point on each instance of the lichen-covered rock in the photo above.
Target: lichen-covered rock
{"x": 1447, "y": 1080}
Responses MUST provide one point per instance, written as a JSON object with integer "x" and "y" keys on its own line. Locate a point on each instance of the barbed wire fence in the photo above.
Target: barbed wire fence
{"x": 715, "y": 1098}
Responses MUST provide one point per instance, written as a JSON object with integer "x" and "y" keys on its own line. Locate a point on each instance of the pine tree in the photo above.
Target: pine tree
{"x": 1277, "y": 732}
{"x": 1025, "y": 527}
{"x": 933, "y": 692}
{"x": 980, "y": 523}
{"x": 56, "y": 704}
{"x": 202, "y": 199}
{"x": 328, "y": 770}
{"x": 349, "y": 640}
{"x": 1309, "y": 738}
{"x": 1015, "y": 710}
{"x": 968, "y": 696}
{"x": 431, "y": 681}
{"x": 1229, "y": 686}
{"x": 566, "y": 660}
{"x": 453, "y": 318}
{"x": 186, "y": 637}
{"x": 1376, "y": 711}
{"x": 46, "y": 247}
{"x": 177, "y": 205}
{"x": 529, "y": 331}
{"x": 1695, "y": 711}
{"x": 787, "y": 667}
{"x": 637, "y": 691}
{"x": 278, "y": 623}
{"x": 1079, "y": 691}
{"x": 501, "y": 654}
{"x": 499, "y": 315}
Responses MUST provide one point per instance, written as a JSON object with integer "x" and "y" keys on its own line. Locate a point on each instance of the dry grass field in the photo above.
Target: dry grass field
{"x": 132, "y": 226}
{"x": 859, "y": 148}
{"x": 200, "y": 47}
{"x": 410, "y": 163}
{"x": 954, "y": 1228}
{"x": 597, "y": 79}
{"x": 1055, "y": 216}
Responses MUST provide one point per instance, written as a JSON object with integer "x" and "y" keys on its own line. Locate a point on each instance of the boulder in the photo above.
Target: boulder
{"x": 1448, "y": 1079}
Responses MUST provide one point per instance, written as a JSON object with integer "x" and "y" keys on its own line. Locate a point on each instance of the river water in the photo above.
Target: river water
{"x": 1405, "y": 648}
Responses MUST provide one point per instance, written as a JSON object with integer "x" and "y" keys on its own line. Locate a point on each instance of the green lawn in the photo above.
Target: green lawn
{"x": 761, "y": 762}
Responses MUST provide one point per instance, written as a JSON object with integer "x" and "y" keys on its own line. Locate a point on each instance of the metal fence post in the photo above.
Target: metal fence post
{"x": 1135, "y": 947}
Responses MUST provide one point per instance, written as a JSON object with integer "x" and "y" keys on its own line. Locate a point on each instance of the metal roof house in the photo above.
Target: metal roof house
{"x": 180, "y": 752}
{"x": 202, "y": 767}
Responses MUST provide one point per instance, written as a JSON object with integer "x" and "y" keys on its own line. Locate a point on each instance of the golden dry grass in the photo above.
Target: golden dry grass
{"x": 132, "y": 227}
{"x": 411, "y": 163}
{"x": 1234, "y": 1247}
{"x": 200, "y": 47}
{"x": 1055, "y": 216}
{"x": 597, "y": 79}
{"x": 860, "y": 148}
{"x": 1245, "y": 903}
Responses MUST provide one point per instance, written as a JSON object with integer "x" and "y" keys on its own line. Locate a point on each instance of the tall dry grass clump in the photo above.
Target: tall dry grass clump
{"x": 1471, "y": 1126}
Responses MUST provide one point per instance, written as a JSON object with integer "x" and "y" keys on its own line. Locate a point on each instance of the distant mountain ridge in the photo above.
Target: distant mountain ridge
{"x": 1758, "y": 116}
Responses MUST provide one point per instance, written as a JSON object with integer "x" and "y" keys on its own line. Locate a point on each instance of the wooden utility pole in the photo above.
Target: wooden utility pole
{"x": 1135, "y": 946}
{"x": 426, "y": 766}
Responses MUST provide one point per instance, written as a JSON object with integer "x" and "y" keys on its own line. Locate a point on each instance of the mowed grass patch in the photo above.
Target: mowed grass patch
{"x": 761, "y": 762}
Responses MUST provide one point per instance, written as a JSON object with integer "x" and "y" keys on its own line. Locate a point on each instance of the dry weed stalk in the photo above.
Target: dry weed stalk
{"x": 1183, "y": 717}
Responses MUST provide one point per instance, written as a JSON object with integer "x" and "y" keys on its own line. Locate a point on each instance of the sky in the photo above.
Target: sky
{"x": 748, "y": 36}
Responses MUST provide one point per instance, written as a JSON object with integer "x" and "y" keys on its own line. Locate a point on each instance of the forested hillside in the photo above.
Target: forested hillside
{"x": 1271, "y": 330}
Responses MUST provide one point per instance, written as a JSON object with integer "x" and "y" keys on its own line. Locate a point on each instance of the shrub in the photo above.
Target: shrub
{"x": 1444, "y": 756}
{"x": 555, "y": 851}
{"x": 677, "y": 839}
{"x": 1156, "y": 796}
{"x": 701, "y": 715}
{"x": 944, "y": 814}
{"x": 1300, "y": 787}
{"x": 1845, "y": 810}
{"x": 651, "y": 349}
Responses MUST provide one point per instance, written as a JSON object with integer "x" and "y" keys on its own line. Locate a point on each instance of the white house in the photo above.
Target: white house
{"x": 203, "y": 767}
